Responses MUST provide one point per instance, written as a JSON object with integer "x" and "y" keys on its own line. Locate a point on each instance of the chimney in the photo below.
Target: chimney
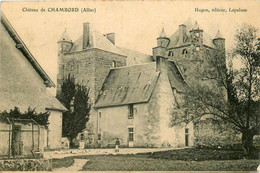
{"x": 182, "y": 33}
{"x": 86, "y": 33}
{"x": 111, "y": 37}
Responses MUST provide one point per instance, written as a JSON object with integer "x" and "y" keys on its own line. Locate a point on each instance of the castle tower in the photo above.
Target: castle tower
{"x": 219, "y": 41}
{"x": 196, "y": 35}
{"x": 162, "y": 40}
{"x": 182, "y": 33}
{"x": 65, "y": 43}
{"x": 162, "y": 43}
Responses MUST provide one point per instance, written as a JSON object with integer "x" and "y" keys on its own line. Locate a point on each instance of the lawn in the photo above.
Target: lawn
{"x": 176, "y": 160}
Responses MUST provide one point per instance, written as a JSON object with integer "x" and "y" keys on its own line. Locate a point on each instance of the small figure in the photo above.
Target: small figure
{"x": 117, "y": 145}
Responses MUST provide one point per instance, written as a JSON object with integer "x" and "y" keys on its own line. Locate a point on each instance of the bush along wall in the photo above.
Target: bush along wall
{"x": 26, "y": 165}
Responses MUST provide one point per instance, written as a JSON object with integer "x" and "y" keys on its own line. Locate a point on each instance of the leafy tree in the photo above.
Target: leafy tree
{"x": 229, "y": 94}
{"x": 76, "y": 99}
{"x": 40, "y": 118}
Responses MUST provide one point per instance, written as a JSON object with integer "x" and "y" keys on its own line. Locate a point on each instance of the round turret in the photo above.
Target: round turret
{"x": 65, "y": 43}
{"x": 219, "y": 41}
{"x": 163, "y": 41}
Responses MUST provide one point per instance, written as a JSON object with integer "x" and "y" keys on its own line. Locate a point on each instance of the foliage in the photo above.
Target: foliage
{"x": 227, "y": 94}
{"x": 74, "y": 121}
{"x": 41, "y": 118}
{"x": 26, "y": 165}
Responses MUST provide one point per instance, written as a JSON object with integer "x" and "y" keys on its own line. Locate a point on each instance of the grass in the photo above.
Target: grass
{"x": 65, "y": 162}
{"x": 194, "y": 154}
{"x": 176, "y": 160}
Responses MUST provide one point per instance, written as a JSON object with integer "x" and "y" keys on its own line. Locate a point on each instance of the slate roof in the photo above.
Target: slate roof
{"x": 99, "y": 41}
{"x": 174, "y": 39}
{"x": 134, "y": 57}
{"x": 126, "y": 85}
{"x": 218, "y": 35}
{"x": 25, "y": 51}
{"x": 52, "y": 103}
{"x": 135, "y": 84}
{"x": 96, "y": 40}
{"x": 65, "y": 36}
{"x": 175, "y": 77}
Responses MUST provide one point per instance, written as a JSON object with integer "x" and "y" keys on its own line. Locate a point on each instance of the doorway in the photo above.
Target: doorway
{"x": 17, "y": 141}
{"x": 186, "y": 137}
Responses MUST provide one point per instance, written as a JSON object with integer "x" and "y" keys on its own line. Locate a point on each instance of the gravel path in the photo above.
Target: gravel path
{"x": 78, "y": 165}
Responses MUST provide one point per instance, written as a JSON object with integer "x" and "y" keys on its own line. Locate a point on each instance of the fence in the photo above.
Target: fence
{"x": 20, "y": 137}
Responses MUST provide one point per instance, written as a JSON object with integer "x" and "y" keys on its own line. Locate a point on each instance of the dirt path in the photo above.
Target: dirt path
{"x": 78, "y": 165}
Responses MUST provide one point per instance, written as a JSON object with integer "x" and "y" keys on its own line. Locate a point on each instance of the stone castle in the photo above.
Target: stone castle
{"x": 132, "y": 93}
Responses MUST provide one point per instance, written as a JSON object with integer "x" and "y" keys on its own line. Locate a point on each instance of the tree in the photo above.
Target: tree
{"x": 229, "y": 94}
{"x": 76, "y": 99}
{"x": 40, "y": 118}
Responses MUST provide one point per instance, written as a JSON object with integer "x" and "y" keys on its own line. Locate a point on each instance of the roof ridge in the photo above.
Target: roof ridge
{"x": 148, "y": 63}
{"x": 133, "y": 50}
{"x": 17, "y": 39}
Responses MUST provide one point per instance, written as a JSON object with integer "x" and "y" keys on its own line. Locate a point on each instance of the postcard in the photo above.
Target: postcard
{"x": 129, "y": 86}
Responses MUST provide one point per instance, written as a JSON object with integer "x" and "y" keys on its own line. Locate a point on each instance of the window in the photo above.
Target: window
{"x": 170, "y": 53}
{"x": 99, "y": 136}
{"x": 131, "y": 134}
{"x": 197, "y": 48}
{"x": 99, "y": 114}
{"x": 184, "y": 52}
{"x": 186, "y": 137}
{"x": 186, "y": 130}
{"x": 131, "y": 112}
{"x": 114, "y": 64}
{"x": 81, "y": 136}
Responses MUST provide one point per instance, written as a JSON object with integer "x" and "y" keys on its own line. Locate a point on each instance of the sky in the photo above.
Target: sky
{"x": 136, "y": 24}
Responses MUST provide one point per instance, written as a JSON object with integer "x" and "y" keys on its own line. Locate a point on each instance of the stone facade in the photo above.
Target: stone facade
{"x": 96, "y": 62}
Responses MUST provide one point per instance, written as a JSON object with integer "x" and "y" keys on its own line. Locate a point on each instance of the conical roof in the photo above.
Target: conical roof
{"x": 65, "y": 36}
{"x": 163, "y": 34}
{"x": 196, "y": 25}
{"x": 218, "y": 35}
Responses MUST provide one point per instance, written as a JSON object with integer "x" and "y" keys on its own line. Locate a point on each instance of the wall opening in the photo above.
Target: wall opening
{"x": 186, "y": 137}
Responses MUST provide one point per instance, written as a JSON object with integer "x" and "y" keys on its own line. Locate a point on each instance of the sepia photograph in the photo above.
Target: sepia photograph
{"x": 130, "y": 86}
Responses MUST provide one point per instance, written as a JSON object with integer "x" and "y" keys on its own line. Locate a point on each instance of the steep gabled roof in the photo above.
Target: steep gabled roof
{"x": 25, "y": 51}
{"x": 175, "y": 77}
{"x": 96, "y": 40}
{"x": 127, "y": 85}
{"x": 65, "y": 36}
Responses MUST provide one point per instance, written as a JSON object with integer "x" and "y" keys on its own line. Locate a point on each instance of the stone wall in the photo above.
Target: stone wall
{"x": 55, "y": 129}
{"x": 212, "y": 133}
{"x": 90, "y": 68}
{"x": 26, "y": 165}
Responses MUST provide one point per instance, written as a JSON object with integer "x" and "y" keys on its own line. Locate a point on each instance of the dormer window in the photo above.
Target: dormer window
{"x": 184, "y": 52}
{"x": 114, "y": 64}
{"x": 170, "y": 53}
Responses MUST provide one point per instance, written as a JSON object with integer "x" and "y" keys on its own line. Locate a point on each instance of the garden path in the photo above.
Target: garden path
{"x": 78, "y": 165}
